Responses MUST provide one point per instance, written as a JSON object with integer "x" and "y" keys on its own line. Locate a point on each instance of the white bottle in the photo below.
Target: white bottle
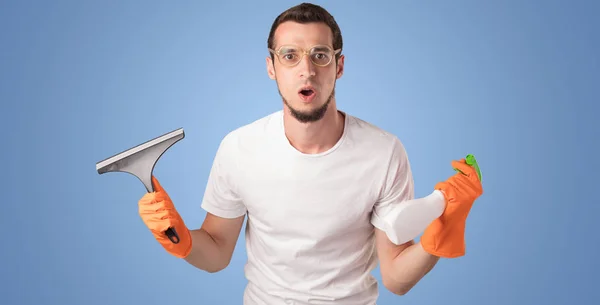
{"x": 410, "y": 218}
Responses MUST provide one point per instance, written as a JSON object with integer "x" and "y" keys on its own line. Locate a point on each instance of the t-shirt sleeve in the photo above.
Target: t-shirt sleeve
{"x": 398, "y": 185}
{"x": 220, "y": 196}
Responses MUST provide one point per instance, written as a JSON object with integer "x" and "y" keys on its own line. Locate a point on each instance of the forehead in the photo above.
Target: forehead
{"x": 303, "y": 35}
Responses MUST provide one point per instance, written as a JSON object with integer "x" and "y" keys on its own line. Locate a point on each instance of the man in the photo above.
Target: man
{"x": 316, "y": 184}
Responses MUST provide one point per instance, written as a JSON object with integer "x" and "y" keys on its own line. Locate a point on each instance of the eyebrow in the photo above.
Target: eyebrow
{"x": 321, "y": 48}
{"x": 288, "y": 49}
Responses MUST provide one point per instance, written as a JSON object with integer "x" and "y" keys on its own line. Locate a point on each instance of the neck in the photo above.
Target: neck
{"x": 315, "y": 137}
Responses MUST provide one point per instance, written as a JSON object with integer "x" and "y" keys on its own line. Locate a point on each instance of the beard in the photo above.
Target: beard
{"x": 311, "y": 115}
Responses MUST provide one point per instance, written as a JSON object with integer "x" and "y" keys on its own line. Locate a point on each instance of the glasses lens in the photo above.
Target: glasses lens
{"x": 321, "y": 55}
{"x": 289, "y": 55}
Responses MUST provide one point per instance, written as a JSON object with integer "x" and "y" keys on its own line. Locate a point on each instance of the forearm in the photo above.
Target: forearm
{"x": 206, "y": 253}
{"x": 408, "y": 267}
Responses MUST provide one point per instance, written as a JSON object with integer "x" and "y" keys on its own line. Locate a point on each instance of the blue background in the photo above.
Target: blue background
{"x": 513, "y": 82}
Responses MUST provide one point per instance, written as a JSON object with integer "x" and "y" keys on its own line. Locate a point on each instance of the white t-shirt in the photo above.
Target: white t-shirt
{"x": 310, "y": 227}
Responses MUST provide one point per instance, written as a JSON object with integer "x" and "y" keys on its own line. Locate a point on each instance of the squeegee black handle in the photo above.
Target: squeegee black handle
{"x": 170, "y": 232}
{"x": 172, "y": 235}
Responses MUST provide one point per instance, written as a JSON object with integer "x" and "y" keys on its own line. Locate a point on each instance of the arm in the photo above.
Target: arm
{"x": 208, "y": 248}
{"x": 213, "y": 244}
{"x": 402, "y": 266}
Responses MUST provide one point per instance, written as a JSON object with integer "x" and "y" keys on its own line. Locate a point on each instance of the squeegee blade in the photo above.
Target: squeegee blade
{"x": 115, "y": 162}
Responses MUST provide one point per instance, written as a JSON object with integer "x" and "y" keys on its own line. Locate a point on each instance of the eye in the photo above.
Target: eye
{"x": 289, "y": 56}
{"x": 320, "y": 58}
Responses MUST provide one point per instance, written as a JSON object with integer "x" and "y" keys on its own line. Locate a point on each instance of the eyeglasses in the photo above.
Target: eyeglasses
{"x": 292, "y": 55}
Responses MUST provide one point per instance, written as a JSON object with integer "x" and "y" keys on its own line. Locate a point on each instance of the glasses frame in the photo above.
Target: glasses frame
{"x": 305, "y": 52}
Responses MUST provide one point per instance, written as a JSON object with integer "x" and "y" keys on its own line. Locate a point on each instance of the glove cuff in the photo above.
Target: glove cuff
{"x": 445, "y": 238}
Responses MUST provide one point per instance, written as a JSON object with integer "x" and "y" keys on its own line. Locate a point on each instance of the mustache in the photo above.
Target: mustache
{"x": 308, "y": 85}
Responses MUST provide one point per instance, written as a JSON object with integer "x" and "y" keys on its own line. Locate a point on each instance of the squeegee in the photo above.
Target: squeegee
{"x": 140, "y": 161}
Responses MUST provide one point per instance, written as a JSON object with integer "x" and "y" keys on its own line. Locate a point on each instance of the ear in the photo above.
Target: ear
{"x": 270, "y": 68}
{"x": 340, "y": 66}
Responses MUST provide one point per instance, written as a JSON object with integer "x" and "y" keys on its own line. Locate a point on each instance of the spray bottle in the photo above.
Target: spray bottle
{"x": 412, "y": 217}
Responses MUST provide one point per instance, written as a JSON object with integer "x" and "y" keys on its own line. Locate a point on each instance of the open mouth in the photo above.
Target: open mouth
{"x": 307, "y": 92}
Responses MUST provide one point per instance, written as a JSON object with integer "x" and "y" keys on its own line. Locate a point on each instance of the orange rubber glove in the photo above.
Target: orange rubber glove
{"x": 159, "y": 214}
{"x": 445, "y": 236}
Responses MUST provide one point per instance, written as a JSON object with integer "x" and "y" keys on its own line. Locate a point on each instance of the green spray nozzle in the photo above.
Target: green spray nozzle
{"x": 470, "y": 159}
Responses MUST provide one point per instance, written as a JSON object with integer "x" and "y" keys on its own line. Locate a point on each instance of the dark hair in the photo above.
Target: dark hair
{"x": 307, "y": 13}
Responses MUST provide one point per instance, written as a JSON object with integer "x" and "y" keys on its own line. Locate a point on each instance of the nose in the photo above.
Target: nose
{"x": 306, "y": 67}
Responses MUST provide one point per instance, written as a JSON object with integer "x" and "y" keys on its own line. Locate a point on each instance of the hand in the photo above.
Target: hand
{"x": 445, "y": 236}
{"x": 462, "y": 189}
{"x": 159, "y": 214}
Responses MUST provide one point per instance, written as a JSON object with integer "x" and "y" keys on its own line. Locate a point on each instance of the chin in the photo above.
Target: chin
{"x": 308, "y": 112}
